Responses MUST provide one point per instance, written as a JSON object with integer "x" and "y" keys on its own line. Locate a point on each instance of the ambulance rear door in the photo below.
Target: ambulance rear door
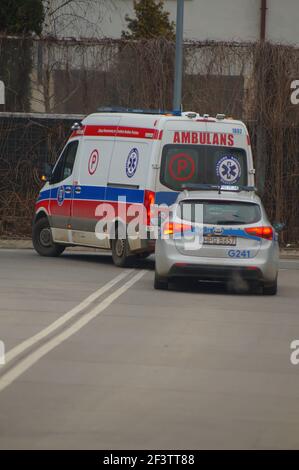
{"x": 229, "y": 156}
{"x": 178, "y": 163}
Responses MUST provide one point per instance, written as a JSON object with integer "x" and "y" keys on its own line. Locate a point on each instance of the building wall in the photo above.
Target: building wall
{"x": 283, "y": 21}
{"x": 219, "y": 20}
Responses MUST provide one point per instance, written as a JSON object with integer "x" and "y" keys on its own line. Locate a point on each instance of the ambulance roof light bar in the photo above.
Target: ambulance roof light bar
{"x": 122, "y": 109}
{"x": 220, "y": 116}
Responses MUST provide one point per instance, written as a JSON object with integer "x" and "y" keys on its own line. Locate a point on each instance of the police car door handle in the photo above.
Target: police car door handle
{"x": 78, "y": 189}
{"x": 68, "y": 190}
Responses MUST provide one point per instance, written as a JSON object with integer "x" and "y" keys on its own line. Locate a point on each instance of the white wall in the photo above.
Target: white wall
{"x": 224, "y": 20}
{"x": 283, "y": 21}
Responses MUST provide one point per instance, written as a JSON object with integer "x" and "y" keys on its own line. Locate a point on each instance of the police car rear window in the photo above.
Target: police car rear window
{"x": 204, "y": 164}
{"x": 219, "y": 212}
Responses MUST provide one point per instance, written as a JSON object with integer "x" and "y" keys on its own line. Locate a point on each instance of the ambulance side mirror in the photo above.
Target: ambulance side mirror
{"x": 47, "y": 173}
{"x": 279, "y": 226}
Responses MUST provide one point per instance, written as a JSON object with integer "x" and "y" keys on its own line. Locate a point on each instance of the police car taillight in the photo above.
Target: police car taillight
{"x": 261, "y": 232}
{"x": 149, "y": 200}
{"x": 171, "y": 228}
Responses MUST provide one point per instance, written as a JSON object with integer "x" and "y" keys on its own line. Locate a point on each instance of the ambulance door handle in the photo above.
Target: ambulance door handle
{"x": 78, "y": 189}
{"x": 68, "y": 190}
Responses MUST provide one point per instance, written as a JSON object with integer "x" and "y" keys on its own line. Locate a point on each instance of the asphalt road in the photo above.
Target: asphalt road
{"x": 131, "y": 367}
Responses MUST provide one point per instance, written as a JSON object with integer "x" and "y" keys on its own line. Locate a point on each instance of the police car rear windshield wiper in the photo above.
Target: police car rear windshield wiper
{"x": 230, "y": 222}
{"x": 215, "y": 187}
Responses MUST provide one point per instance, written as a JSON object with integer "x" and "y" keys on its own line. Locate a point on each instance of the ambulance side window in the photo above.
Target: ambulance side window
{"x": 64, "y": 166}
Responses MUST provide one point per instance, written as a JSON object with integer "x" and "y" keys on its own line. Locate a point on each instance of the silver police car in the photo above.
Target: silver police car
{"x": 221, "y": 235}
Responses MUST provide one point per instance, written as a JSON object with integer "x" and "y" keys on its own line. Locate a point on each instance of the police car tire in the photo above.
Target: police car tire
{"x": 270, "y": 289}
{"x": 124, "y": 259}
{"x": 160, "y": 283}
{"x": 53, "y": 249}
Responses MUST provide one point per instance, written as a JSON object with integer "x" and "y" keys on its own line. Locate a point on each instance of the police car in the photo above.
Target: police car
{"x": 117, "y": 158}
{"x": 219, "y": 234}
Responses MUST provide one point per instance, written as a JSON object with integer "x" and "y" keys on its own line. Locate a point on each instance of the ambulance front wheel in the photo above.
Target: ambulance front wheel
{"x": 120, "y": 251}
{"x": 42, "y": 239}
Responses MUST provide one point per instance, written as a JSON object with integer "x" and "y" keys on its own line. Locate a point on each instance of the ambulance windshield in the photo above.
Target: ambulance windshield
{"x": 204, "y": 164}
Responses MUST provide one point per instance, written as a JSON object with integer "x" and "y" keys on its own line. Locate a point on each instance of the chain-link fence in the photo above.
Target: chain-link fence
{"x": 250, "y": 81}
{"x": 26, "y": 143}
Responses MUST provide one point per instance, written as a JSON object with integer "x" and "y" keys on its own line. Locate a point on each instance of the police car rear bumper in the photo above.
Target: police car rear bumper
{"x": 220, "y": 273}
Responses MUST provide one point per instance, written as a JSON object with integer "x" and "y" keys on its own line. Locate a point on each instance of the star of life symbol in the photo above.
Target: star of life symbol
{"x": 228, "y": 169}
{"x": 132, "y": 162}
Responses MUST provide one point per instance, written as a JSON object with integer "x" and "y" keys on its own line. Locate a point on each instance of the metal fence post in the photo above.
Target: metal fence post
{"x": 177, "y": 92}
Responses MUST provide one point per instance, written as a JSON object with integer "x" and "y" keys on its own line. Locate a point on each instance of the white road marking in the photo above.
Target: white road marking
{"x": 28, "y": 343}
{"x": 32, "y": 358}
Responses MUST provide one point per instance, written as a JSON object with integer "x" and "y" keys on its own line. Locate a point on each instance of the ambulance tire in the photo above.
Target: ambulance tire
{"x": 42, "y": 239}
{"x": 120, "y": 252}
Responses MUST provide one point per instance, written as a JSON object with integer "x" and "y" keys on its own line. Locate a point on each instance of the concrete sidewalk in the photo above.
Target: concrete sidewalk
{"x": 286, "y": 253}
{"x": 26, "y": 244}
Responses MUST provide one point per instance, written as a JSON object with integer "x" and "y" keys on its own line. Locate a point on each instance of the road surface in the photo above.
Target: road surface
{"x": 97, "y": 359}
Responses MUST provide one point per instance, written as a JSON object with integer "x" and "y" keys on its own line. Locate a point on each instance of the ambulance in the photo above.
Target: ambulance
{"x": 122, "y": 158}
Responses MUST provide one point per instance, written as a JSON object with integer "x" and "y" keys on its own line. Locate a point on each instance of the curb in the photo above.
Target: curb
{"x": 27, "y": 245}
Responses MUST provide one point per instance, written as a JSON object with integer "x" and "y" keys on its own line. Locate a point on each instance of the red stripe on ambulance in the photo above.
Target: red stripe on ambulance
{"x": 123, "y": 131}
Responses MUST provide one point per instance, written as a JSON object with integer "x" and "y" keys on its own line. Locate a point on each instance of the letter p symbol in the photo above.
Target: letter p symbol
{"x": 182, "y": 165}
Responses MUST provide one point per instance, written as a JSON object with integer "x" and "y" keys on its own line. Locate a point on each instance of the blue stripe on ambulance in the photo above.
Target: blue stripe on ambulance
{"x": 103, "y": 193}
{"x": 97, "y": 193}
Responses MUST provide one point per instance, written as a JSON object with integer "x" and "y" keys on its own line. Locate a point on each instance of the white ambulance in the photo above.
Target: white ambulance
{"x": 138, "y": 158}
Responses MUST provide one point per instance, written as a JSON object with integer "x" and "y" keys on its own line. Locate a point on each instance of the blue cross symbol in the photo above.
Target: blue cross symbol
{"x": 132, "y": 162}
{"x": 229, "y": 170}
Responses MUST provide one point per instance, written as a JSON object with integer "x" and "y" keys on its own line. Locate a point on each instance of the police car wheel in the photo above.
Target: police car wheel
{"x": 42, "y": 239}
{"x": 120, "y": 250}
{"x": 160, "y": 283}
{"x": 270, "y": 289}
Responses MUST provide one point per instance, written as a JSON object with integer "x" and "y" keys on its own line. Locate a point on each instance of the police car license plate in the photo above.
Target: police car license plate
{"x": 217, "y": 240}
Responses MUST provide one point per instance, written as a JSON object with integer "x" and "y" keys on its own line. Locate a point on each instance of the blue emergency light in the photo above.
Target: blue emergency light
{"x": 121, "y": 109}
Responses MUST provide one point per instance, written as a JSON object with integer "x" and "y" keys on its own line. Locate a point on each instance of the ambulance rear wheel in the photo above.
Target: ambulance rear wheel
{"x": 42, "y": 239}
{"x": 120, "y": 252}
